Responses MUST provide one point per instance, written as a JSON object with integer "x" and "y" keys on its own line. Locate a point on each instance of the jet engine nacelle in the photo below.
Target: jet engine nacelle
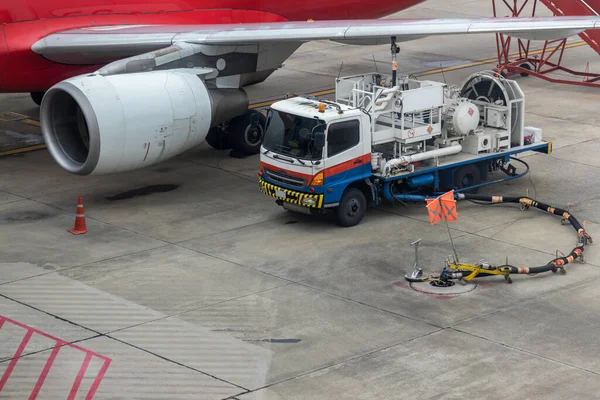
{"x": 94, "y": 124}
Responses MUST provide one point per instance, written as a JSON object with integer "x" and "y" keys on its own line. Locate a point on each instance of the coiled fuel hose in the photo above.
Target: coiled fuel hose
{"x": 555, "y": 265}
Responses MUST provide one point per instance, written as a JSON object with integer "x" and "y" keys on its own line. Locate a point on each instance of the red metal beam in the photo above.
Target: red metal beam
{"x": 551, "y": 57}
{"x": 578, "y": 7}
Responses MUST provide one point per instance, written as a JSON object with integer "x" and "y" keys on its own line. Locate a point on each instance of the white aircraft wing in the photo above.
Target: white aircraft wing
{"x": 87, "y": 45}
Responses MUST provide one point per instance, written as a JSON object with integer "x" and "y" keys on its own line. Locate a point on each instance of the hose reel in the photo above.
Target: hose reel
{"x": 488, "y": 87}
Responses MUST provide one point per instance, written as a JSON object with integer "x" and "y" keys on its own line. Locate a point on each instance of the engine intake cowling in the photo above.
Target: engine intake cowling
{"x": 94, "y": 124}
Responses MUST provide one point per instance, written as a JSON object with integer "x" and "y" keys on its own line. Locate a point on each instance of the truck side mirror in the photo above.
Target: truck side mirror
{"x": 319, "y": 138}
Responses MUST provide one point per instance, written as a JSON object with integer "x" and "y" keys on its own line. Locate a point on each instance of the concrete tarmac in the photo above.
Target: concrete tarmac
{"x": 200, "y": 287}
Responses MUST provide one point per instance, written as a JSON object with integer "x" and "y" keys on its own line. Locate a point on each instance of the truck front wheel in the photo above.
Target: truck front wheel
{"x": 352, "y": 207}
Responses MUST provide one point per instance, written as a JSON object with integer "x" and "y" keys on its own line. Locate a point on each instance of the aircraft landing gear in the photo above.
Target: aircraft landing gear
{"x": 37, "y": 97}
{"x": 243, "y": 134}
{"x": 218, "y": 138}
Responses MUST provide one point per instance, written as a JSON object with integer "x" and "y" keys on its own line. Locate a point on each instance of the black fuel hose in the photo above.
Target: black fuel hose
{"x": 526, "y": 202}
{"x": 553, "y": 265}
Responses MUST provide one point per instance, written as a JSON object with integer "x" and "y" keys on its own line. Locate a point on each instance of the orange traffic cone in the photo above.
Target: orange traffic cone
{"x": 79, "y": 227}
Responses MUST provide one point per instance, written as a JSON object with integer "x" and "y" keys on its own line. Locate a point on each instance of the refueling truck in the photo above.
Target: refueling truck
{"x": 388, "y": 139}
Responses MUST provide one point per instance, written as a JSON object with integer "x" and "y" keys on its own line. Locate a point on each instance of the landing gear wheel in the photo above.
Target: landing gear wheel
{"x": 525, "y": 66}
{"x": 352, "y": 208}
{"x": 467, "y": 175}
{"x": 246, "y": 133}
{"x": 37, "y": 97}
{"x": 217, "y": 137}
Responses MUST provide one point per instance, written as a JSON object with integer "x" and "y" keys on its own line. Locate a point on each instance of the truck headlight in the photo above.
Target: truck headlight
{"x": 309, "y": 202}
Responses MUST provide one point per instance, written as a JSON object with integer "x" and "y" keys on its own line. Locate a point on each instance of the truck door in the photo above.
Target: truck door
{"x": 345, "y": 160}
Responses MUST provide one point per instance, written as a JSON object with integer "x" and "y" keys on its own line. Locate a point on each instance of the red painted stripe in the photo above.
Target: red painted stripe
{"x": 15, "y": 358}
{"x": 97, "y": 381}
{"x": 347, "y": 165}
{"x": 2, "y": 322}
{"x": 44, "y": 374}
{"x": 334, "y": 170}
{"x": 292, "y": 173}
{"x": 12, "y": 321}
{"x": 79, "y": 378}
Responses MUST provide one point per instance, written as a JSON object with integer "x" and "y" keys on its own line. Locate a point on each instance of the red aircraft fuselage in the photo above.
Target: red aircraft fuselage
{"x": 23, "y": 22}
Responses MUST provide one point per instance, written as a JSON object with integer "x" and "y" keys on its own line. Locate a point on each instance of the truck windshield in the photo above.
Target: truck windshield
{"x": 291, "y": 135}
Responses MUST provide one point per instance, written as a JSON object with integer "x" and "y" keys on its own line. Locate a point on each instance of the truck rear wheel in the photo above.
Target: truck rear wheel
{"x": 352, "y": 207}
{"x": 467, "y": 175}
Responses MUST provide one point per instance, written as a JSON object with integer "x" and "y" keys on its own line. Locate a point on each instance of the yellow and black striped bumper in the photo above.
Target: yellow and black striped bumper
{"x": 290, "y": 196}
